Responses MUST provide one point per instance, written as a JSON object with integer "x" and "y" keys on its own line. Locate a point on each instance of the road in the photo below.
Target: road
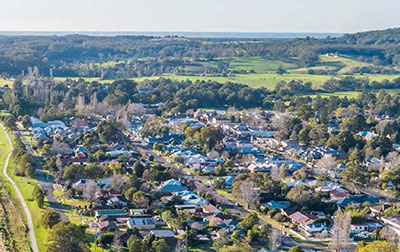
{"x": 46, "y": 182}
{"x": 21, "y": 199}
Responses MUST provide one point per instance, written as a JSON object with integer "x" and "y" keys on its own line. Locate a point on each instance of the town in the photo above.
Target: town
{"x": 205, "y": 179}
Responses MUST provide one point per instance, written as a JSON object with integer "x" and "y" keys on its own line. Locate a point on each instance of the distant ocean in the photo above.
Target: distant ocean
{"x": 202, "y": 35}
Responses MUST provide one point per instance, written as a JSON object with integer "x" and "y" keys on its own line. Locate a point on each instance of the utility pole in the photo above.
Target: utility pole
{"x": 186, "y": 240}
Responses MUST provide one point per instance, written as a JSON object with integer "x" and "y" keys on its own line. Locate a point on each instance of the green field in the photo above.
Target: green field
{"x": 265, "y": 75}
{"x": 26, "y": 186}
{"x": 256, "y": 80}
{"x": 260, "y": 65}
{"x": 4, "y": 82}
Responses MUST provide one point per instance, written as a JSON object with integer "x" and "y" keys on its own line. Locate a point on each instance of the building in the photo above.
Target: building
{"x": 170, "y": 186}
{"x": 142, "y": 223}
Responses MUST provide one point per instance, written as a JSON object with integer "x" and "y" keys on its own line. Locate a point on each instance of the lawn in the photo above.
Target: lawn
{"x": 26, "y": 186}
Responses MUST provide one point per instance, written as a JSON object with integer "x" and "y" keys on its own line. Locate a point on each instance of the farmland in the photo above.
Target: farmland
{"x": 259, "y": 72}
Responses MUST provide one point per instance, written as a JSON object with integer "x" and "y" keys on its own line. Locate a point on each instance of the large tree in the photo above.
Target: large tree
{"x": 341, "y": 231}
{"x": 67, "y": 237}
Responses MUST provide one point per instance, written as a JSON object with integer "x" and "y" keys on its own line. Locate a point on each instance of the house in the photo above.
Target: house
{"x": 81, "y": 183}
{"x": 210, "y": 209}
{"x": 276, "y": 204}
{"x": 61, "y": 148}
{"x": 80, "y": 151}
{"x": 117, "y": 153}
{"x": 121, "y": 237}
{"x": 378, "y": 209}
{"x": 260, "y": 167}
{"x": 170, "y": 186}
{"x": 37, "y": 123}
{"x": 79, "y": 123}
{"x": 228, "y": 181}
{"x": 167, "y": 234}
{"x": 299, "y": 218}
{"x": 367, "y": 135}
{"x": 190, "y": 198}
{"x": 110, "y": 212}
{"x": 189, "y": 208}
{"x": 105, "y": 226}
{"x": 357, "y": 200}
{"x": 363, "y": 227}
{"x": 197, "y": 224}
{"x": 136, "y": 212}
{"x": 142, "y": 223}
{"x": 117, "y": 201}
{"x": 338, "y": 194}
{"x": 314, "y": 228}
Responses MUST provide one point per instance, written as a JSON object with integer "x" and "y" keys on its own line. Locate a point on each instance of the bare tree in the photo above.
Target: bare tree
{"x": 326, "y": 166}
{"x": 248, "y": 159}
{"x": 90, "y": 191}
{"x": 136, "y": 109}
{"x": 388, "y": 234}
{"x": 249, "y": 193}
{"x": 341, "y": 231}
{"x": 392, "y": 161}
{"x": 80, "y": 105}
{"x": 125, "y": 120}
{"x": 118, "y": 183}
{"x": 275, "y": 239}
{"x": 275, "y": 173}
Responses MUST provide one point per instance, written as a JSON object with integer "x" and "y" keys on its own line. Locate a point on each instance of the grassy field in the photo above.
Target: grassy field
{"x": 265, "y": 72}
{"x": 4, "y": 82}
{"x": 260, "y": 65}
{"x": 26, "y": 186}
{"x": 14, "y": 221}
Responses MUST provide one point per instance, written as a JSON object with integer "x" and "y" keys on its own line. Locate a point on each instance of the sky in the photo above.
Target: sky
{"x": 337, "y": 16}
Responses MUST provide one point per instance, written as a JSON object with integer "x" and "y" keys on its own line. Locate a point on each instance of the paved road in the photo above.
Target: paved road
{"x": 23, "y": 203}
{"x": 46, "y": 183}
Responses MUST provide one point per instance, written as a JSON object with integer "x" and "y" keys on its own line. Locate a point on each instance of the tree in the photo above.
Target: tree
{"x": 341, "y": 231}
{"x": 249, "y": 221}
{"x": 160, "y": 245}
{"x": 378, "y": 246}
{"x": 50, "y": 218}
{"x": 9, "y": 122}
{"x": 134, "y": 244}
{"x": 298, "y": 195}
{"x": 223, "y": 239}
{"x": 275, "y": 239}
{"x": 67, "y": 237}
{"x": 249, "y": 193}
{"x": 326, "y": 166}
{"x": 38, "y": 196}
{"x": 140, "y": 199}
{"x": 26, "y": 121}
{"x": 281, "y": 70}
{"x": 73, "y": 172}
{"x": 236, "y": 237}
{"x": 90, "y": 191}
{"x": 219, "y": 183}
{"x": 237, "y": 248}
{"x": 138, "y": 169}
{"x": 296, "y": 249}
{"x": 109, "y": 131}
{"x": 106, "y": 239}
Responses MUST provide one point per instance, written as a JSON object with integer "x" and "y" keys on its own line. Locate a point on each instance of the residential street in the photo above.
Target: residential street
{"x": 45, "y": 181}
